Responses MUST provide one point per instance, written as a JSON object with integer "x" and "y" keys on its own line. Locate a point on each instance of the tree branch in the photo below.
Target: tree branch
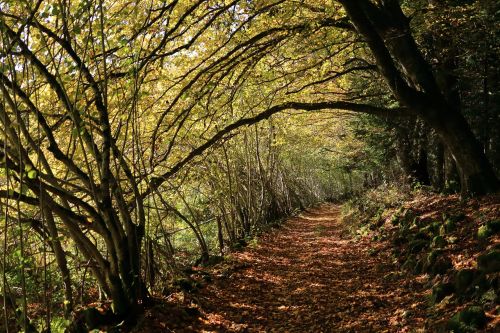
{"x": 156, "y": 182}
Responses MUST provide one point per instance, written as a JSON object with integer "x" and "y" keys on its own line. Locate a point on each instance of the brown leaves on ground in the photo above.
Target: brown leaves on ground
{"x": 305, "y": 277}
{"x": 463, "y": 252}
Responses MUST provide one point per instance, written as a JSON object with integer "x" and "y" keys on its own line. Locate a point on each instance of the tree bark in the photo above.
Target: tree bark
{"x": 61, "y": 261}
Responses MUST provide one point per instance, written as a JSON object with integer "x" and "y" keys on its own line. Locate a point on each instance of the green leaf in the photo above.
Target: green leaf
{"x": 24, "y": 189}
{"x": 32, "y": 174}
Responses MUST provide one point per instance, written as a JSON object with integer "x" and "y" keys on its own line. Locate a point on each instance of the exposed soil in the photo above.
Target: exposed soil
{"x": 306, "y": 276}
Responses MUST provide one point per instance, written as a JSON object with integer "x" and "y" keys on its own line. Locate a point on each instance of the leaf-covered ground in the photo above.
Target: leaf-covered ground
{"x": 308, "y": 275}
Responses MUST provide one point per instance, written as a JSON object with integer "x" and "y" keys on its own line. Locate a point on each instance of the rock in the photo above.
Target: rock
{"x": 442, "y": 265}
{"x": 214, "y": 260}
{"x": 94, "y": 318}
{"x": 409, "y": 264}
{"x": 438, "y": 242}
{"x": 489, "y": 229}
{"x": 185, "y": 284}
{"x": 450, "y": 226}
{"x": 437, "y": 263}
{"x": 440, "y": 291}
{"x": 419, "y": 267}
{"x": 484, "y": 232}
{"x": 494, "y": 226}
{"x": 489, "y": 262}
{"x": 417, "y": 245}
{"x": 467, "y": 320}
{"x": 432, "y": 228}
{"x": 457, "y": 217}
{"x": 464, "y": 279}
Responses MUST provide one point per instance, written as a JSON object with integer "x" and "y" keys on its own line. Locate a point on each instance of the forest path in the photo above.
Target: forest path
{"x": 310, "y": 276}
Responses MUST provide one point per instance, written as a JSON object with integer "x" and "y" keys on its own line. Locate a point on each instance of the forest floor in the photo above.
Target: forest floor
{"x": 308, "y": 275}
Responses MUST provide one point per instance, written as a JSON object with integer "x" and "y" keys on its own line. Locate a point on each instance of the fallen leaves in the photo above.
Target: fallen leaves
{"x": 302, "y": 280}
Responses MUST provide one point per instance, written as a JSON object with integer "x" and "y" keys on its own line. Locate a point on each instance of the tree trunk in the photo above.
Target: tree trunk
{"x": 439, "y": 164}
{"x": 61, "y": 261}
{"x": 476, "y": 174}
{"x": 412, "y": 82}
{"x": 220, "y": 236}
{"x": 125, "y": 284}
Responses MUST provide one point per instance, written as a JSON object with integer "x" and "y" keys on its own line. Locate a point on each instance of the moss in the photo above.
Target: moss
{"x": 399, "y": 240}
{"x": 468, "y": 320}
{"x": 214, "y": 260}
{"x": 94, "y": 318}
{"x": 185, "y": 284}
{"x": 395, "y": 220}
{"x": 457, "y": 217}
{"x": 494, "y": 226}
{"x": 484, "y": 232}
{"x": 489, "y": 262}
{"x": 450, "y": 226}
{"x": 422, "y": 236}
{"x": 419, "y": 267}
{"x": 442, "y": 265}
{"x": 440, "y": 291}
{"x": 407, "y": 217}
{"x": 433, "y": 256}
{"x": 437, "y": 263}
{"x": 417, "y": 245}
{"x": 431, "y": 229}
{"x": 438, "y": 242}
{"x": 464, "y": 279}
{"x": 435, "y": 227}
{"x": 409, "y": 264}
{"x": 481, "y": 283}
{"x": 442, "y": 230}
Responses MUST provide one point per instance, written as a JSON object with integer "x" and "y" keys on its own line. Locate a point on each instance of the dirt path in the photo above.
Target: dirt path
{"x": 308, "y": 276}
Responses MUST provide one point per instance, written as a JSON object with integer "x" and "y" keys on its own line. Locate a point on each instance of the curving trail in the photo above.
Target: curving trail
{"x": 307, "y": 277}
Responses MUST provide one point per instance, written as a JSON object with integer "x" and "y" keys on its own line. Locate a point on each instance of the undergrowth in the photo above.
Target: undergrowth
{"x": 362, "y": 212}
{"x": 451, "y": 243}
